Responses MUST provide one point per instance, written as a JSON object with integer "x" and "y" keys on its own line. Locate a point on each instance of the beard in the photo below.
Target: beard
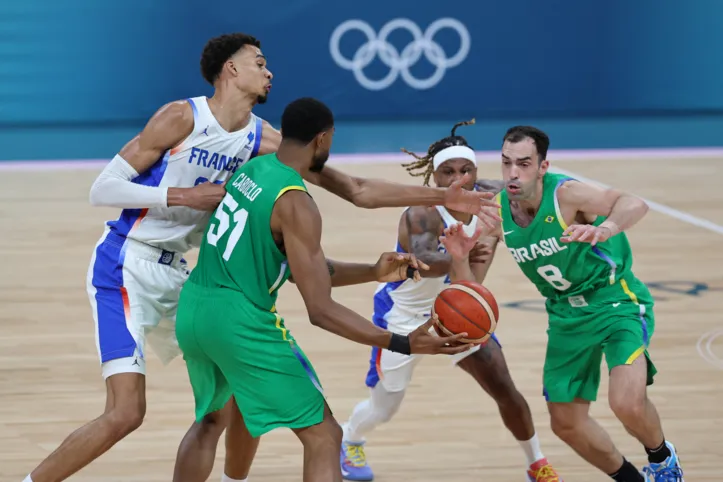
{"x": 262, "y": 99}
{"x": 317, "y": 164}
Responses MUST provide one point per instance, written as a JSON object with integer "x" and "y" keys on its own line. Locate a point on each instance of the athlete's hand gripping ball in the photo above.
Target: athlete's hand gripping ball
{"x": 393, "y": 267}
{"x": 423, "y": 341}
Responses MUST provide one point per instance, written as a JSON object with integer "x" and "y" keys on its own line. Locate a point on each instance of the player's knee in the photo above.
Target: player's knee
{"x": 384, "y": 414}
{"x": 627, "y": 405}
{"x": 325, "y": 436}
{"x": 336, "y": 433}
{"x": 214, "y": 423}
{"x": 564, "y": 425}
{"x": 504, "y": 391}
{"x": 126, "y": 418}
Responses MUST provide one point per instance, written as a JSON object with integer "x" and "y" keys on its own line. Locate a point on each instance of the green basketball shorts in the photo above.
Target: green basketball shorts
{"x": 616, "y": 321}
{"x": 231, "y": 346}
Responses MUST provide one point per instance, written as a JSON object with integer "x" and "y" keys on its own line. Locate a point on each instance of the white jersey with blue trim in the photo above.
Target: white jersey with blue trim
{"x": 403, "y": 306}
{"x": 208, "y": 154}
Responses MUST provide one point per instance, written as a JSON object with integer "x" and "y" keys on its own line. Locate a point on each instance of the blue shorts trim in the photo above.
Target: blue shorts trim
{"x": 111, "y": 297}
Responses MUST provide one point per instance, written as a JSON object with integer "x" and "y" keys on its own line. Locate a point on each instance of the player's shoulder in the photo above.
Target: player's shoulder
{"x": 296, "y": 209}
{"x": 568, "y": 188}
{"x": 175, "y": 115}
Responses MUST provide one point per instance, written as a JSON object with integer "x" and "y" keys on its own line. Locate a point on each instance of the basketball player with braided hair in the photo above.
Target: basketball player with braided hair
{"x": 401, "y": 307}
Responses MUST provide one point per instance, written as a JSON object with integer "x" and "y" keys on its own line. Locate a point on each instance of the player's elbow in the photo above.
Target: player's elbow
{"x": 644, "y": 208}
{"x": 95, "y": 197}
{"x": 361, "y": 196}
{"x": 319, "y": 314}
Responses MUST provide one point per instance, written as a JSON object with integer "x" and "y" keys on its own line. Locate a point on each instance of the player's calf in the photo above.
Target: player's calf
{"x": 630, "y": 403}
{"x": 488, "y": 367}
{"x": 124, "y": 412}
{"x": 197, "y": 452}
{"x": 241, "y": 447}
{"x": 321, "y": 449}
{"x": 572, "y": 423}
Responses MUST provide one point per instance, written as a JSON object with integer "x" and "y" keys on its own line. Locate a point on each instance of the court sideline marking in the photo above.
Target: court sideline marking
{"x": 661, "y": 208}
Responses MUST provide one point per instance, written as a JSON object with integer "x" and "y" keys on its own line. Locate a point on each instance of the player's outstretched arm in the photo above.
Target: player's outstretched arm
{"x": 168, "y": 127}
{"x": 377, "y": 193}
{"x": 490, "y": 185}
{"x": 622, "y": 211}
{"x": 298, "y": 219}
{"x": 390, "y": 267}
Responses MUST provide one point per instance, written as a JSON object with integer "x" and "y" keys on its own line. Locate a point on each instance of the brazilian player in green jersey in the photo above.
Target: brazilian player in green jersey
{"x": 568, "y": 238}
{"x": 267, "y": 229}
{"x": 237, "y": 69}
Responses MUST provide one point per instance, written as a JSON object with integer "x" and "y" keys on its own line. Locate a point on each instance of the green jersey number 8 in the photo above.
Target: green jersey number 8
{"x": 224, "y": 223}
{"x": 553, "y": 275}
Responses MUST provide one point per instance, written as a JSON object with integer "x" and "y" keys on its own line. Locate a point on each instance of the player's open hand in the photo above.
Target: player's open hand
{"x": 481, "y": 253}
{"x": 479, "y": 203}
{"x": 456, "y": 241}
{"x": 586, "y": 233}
{"x": 423, "y": 341}
{"x": 393, "y": 267}
{"x": 205, "y": 196}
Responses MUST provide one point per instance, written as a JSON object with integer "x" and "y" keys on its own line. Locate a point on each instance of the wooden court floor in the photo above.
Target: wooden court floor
{"x": 447, "y": 430}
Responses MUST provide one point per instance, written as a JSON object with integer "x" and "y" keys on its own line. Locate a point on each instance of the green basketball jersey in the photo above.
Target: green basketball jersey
{"x": 238, "y": 251}
{"x": 562, "y": 270}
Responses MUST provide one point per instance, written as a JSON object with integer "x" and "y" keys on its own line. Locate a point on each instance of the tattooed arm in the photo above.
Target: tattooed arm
{"x": 422, "y": 231}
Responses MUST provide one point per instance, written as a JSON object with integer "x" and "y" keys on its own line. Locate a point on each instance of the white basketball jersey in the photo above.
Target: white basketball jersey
{"x": 404, "y": 305}
{"x": 209, "y": 153}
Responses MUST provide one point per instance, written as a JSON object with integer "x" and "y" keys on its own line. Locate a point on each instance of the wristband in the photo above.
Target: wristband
{"x": 399, "y": 344}
{"x": 410, "y": 272}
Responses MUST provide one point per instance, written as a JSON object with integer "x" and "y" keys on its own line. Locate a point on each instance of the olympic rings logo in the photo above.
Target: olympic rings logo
{"x": 399, "y": 63}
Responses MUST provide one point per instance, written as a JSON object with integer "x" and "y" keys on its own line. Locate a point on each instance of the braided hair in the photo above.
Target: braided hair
{"x": 424, "y": 164}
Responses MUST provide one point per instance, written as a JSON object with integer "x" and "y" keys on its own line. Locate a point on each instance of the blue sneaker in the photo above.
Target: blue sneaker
{"x": 354, "y": 462}
{"x": 668, "y": 471}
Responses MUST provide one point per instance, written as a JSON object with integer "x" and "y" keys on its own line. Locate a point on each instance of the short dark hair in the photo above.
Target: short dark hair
{"x": 219, "y": 49}
{"x": 425, "y": 163}
{"x": 519, "y": 133}
{"x": 304, "y": 118}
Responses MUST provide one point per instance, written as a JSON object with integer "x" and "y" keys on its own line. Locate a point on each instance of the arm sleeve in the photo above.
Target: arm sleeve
{"x": 114, "y": 187}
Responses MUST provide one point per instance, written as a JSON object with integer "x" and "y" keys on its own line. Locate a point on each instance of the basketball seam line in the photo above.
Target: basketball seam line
{"x": 461, "y": 314}
{"x": 461, "y": 286}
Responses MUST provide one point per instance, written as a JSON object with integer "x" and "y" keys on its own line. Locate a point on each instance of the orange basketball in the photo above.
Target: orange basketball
{"x": 466, "y": 306}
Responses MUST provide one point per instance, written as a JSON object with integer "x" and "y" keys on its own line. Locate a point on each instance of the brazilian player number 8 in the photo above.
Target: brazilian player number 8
{"x": 224, "y": 223}
{"x": 553, "y": 275}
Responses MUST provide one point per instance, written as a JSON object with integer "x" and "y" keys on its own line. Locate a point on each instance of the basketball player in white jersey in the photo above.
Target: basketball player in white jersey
{"x": 403, "y": 306}
{"x": 167, "y": 181}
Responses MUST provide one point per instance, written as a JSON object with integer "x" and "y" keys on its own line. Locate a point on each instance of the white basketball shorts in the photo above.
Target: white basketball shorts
{"x": 133, "y": 289}
{"x": 394, "y": 370}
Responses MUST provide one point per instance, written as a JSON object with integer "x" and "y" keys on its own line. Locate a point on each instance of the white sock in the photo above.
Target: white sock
{"x": 378, "y": 409}
{"x": 532, "y": 450}
{"x": 226, "y": 478}
{"x": 28, "y": 479}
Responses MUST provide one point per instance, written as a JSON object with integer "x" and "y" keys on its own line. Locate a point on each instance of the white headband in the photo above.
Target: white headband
{"x": 454, "y": 152}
